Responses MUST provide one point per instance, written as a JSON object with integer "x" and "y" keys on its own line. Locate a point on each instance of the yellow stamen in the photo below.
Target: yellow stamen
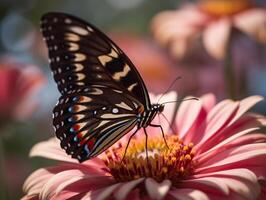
{"x": 174, "y": 163}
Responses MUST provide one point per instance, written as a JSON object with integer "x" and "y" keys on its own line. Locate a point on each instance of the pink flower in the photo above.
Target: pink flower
{"x": 212, "y": 155}
{"x": 210, "y": 20}
{"x": 18, "y": 83}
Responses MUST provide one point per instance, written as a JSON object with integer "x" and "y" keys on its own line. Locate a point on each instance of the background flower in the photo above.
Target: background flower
{"x": 213, "y": 21}
{"x": 222, "y": 129}
{"x": 18, "y": 84}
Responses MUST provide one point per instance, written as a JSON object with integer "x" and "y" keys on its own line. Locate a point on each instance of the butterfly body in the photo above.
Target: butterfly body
{"x": 103, "y": 96}
{"x": 145, "y": 118}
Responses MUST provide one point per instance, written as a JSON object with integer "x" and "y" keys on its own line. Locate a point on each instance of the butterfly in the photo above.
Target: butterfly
{"x": 103, "y": 96}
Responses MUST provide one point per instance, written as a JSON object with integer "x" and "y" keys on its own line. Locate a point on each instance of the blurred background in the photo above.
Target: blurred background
{"x": 216, "y": 46}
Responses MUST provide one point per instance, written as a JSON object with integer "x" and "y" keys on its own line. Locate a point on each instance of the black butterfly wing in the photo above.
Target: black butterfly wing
{"x": 91, "y": 119}
{"x": 81, "y": 55}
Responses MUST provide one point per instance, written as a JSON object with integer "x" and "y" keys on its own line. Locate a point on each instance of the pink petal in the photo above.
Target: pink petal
{"x": 76, "y": 181}
{"x": 126, "y": 188}
{"x": 216, "y": 185}
{"x": 245, "y": 105}
{"x": 51, "y": 149}
{"x": 239, "y": 173}
{"x": 249, "y": 139}
{"x": 216, "y": 37}
{"x": 156, "y": 190}
{"x": 102, "y": 194}
{"x": 87, "y": 186}
{"x": 223, "y": 145}
{"x": 187, "y": 114}
{"x": 234, "y": 156}
{"x": 188, "y": 194}
{"x": 242, "y": 181}
{"x": 247, "y": 123}
{"x": 52, "y": 186}
{"x": 209, "y": 101}
{"x": 243, "y": 189}
{"x": 216, "y": 120}
{"x": 37, "y": 179}
{"x": 252, "y": 22}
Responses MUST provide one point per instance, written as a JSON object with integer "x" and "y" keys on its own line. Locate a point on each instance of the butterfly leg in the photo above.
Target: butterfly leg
{"x": 159, "y": 126}
{"x": 146, "y": 145}
{"x": 131, "y": 136}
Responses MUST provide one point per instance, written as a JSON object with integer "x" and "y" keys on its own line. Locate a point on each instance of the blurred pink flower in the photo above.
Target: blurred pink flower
{"x": 155, "y": 67}
{"x": 210, "y": 20}
{"x": 211, "y": 156}
{"x": 18, "y": 83}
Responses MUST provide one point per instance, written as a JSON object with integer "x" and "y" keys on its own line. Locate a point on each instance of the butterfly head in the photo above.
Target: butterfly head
{"x": 158, "y": 107}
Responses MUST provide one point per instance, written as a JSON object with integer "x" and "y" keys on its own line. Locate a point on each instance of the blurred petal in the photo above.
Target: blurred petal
{"x": 209, "y": 101}
{"x": 216, "y": 37}
{"x": 252, "y": 22}
{"x": 18, "y": 85}
{"x": 168, "y": 25}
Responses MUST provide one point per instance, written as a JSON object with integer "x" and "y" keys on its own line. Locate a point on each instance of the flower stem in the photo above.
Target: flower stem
{"x": 229, "y": 71}
{"x": 3, "y": 179}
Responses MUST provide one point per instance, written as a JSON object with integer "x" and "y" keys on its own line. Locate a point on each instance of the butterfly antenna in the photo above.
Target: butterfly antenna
{"x": 171, "y": 85}
{"x": 178, "y": 101}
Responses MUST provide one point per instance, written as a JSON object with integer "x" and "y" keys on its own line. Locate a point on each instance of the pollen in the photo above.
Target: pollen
{"x": 174, "y": 163}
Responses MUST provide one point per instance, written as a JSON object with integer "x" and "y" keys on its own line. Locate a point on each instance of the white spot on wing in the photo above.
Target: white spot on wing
{"x": 115, "y": 110}
{"x": 79, "y": 30}
{"x": 90, "y": 29}
{"x": 108, "y": 115}
{"x": 72, "y": 37}
{"x": 68, "y": 21}
{"x": 130, "y": 88}
{"x": 124, "y": 106}
{"x": 96, "y": 91}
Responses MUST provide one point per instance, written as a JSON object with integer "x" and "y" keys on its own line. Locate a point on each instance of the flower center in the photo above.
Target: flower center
{"x": 173, "y": 163}
{"x": 224, "y": 7}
